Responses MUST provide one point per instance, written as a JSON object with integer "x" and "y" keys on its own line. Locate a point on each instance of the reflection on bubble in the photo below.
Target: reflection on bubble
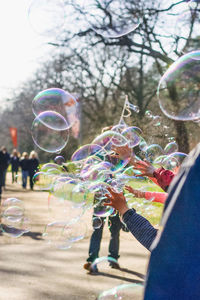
{"x": 178, "y": 89}
{"x": 49, "y": 132}
{"x": 111, "y": 19}
{"x": 59, "y": 101}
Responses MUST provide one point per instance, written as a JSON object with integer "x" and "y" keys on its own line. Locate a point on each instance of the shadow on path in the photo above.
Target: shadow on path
{"x": 15, "y": 232}
{"x": 34, "y": 235}
{"x": 117, "y": 277}
{"x": 142, "y": 276}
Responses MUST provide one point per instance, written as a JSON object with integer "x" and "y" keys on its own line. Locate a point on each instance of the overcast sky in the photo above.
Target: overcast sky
{"x": 21, "y": 47}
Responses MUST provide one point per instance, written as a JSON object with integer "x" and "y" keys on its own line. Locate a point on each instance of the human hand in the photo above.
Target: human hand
{"x": 136, "y": 193}
{"x": 117, "y": 200}
{"x": 106, "y": 128}
{"x": 144, "y": 167}
{"x": 122, "y": 152}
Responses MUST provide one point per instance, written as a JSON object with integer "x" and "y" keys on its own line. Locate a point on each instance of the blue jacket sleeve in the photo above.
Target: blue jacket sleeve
{"x": 140, "y": 228}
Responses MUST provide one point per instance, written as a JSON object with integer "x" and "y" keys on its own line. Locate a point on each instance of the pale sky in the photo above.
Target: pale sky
{"x": 22, "y": 49}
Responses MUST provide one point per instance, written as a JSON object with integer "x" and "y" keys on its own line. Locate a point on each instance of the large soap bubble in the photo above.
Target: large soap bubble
{"x": 49, "y": 131}
{"x": 111, "y": 19}
{"x": 57, "y": 100}
{"x": 179, "y": 88}
{"x": 46, "y": 17}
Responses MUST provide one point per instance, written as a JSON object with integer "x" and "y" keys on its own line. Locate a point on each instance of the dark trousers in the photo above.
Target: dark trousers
{"x": 14, "y": 176}
{"x": 24, "y": 178}
{"x": 4, "y": 177}
{"x": 31, "y": 180}
{"x": 95, "y": 241}
{"x": 1, "y": 183}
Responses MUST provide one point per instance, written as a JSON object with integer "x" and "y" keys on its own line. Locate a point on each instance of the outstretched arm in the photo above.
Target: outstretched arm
{"x": 152, "y": 196}
{"x": 140, "y": 227}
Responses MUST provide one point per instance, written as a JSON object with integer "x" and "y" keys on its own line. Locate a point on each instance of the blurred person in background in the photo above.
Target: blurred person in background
{"x": 5, "y": 160}
{"x": 33, "y": 165}
{"x": 14, "y": 161}
{"x": 24, "y": 164}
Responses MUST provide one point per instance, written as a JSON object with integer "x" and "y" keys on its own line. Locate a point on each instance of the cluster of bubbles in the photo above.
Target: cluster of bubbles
{"x": 55, "y": 113}
{"x": 82, "y": 183}
{"x": 14, "y": 223}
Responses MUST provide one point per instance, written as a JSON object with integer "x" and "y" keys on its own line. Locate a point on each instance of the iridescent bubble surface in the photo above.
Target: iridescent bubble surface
{"x": 111, "y": 19}
{"x": 56, "y": 100}
{"x": 178, "y": 89}
{"x": 49, "y": 132}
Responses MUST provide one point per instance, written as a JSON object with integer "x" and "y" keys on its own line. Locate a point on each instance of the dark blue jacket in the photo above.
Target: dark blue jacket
{"x": 174, "y": 266}
{"x": 33, "y": 165}
{"x": 14, "y": 160}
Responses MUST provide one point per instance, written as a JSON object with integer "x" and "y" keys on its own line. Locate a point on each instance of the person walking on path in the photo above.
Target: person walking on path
{"x": 14, "y": 160}
{"x": 24, "y": 164}
{"x": 33, "y": 164}
{"x": 5, "y": 160}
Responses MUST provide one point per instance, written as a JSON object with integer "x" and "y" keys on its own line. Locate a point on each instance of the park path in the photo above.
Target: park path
{"x": 31, "y": 269}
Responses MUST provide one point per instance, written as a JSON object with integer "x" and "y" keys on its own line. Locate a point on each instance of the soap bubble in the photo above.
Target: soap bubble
{"x": 110, "y": 138}
{"x": 131, "y": 134}
{"x": 193, "y": 4}
{"x": 88, "y": 150}
{"x": 49, "y": 131}
{"x": 46, "y": 17}
{"x": 174, "y": 160}
{"x": 178, "y": 89}
{"x": 170, "y": 148}
{"x": 43, "y": 180}
{"x": 97, "y": 222}
{"x": 12, "y": 202}
{"x": 13, "y": 213}
{"x": 111, "y": 19}
{"x": 149, "y": 114}
{"x": 56, "y": 100}
{"x": 153, "y": 151}
{"x": 15, "y": 229}
{"x": 123, "y": 292}
{"x": 54, "y": 235}
{"x": 59, "y": 160}
{"x": 62, "y": 235}
{"x": 103, "y": 262}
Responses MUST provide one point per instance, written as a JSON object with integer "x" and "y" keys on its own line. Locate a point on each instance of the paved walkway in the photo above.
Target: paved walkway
{"x": 31, "y": 269}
